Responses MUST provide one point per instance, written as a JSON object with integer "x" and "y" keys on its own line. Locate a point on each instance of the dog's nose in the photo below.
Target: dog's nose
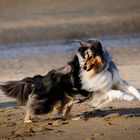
{"x": 84, "y": 67}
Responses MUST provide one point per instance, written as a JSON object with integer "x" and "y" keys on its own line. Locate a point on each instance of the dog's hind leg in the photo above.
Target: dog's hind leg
{"x": 125, "y": 87}
{"x": 29, "y": 110}
{"x": 28, "y": 118}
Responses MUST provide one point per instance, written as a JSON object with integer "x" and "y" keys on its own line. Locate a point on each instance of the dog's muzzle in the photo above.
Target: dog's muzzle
{"x": 88, "y": 68}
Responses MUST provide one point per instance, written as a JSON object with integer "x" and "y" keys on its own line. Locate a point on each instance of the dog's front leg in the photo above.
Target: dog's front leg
{"x": 118, "y": 95}
{"x": 109, "y": 96}
{"x": 66, "y": 111}
{"x": 57, "y": 111}
{"x": 125, "y": 87}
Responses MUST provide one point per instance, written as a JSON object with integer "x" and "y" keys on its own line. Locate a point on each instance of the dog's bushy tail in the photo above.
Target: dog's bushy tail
{"x": 19, "y": 89}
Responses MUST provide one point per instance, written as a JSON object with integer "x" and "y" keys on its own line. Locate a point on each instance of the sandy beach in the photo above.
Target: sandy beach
{"x": 117, "y": 120}
{"x": 36, "y": 36}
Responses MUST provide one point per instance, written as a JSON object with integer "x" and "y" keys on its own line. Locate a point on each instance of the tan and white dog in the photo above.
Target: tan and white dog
{"x": 100, "y": 76}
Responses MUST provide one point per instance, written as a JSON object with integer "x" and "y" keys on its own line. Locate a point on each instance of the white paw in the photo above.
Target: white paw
{"x": 75, "y": 118}
{"x": 28, "y": 121}
{"x": 134, "y": 91}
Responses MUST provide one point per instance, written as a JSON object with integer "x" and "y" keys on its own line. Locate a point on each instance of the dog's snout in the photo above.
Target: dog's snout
{"x": 84, "y": 67}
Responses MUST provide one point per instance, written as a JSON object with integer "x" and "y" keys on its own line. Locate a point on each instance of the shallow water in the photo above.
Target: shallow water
{"x": 27, "y": 49}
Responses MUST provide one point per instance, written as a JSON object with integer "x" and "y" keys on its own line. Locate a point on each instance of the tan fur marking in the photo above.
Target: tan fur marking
{"x": 57, "y": 108}
{"x": 98, "y": 58}
{"x": 97, "y": 62}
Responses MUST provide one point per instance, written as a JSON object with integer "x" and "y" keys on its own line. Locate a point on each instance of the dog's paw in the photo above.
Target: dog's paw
{"x": 28, "y": 121}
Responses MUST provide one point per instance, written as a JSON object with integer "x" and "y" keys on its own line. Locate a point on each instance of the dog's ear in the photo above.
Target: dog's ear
{"x": 66, "y": 70}
{"x": 81, "y": 43}
{"x": 96, "y": 45}
{"x": 95, "y": 42}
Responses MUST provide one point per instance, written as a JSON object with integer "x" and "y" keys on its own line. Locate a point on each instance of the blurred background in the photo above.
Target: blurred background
{"x": 51, "y": 20}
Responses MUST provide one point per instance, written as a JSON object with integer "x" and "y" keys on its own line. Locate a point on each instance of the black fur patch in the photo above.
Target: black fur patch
{"x": 46, "y": 90}
{"x": 18, "y": 89}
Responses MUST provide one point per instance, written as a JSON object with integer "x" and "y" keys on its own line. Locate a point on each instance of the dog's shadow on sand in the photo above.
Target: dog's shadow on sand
{"x": 120, "y": 112}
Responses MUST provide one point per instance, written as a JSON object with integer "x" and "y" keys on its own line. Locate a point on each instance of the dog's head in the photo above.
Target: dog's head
{"x": 90, "y": 55}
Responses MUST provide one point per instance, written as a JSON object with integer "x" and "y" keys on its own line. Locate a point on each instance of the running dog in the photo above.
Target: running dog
{"x": 100, "y": 76}
{"x": 55, "y": 92}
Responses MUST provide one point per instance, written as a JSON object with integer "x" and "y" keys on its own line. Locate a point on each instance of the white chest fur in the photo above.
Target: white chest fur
{"x": 99, "y": 82}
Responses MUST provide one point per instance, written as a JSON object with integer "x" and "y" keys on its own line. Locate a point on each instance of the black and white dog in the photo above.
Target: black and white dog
{"x": 55, "y": 92}
{"x": 100, "y": 76}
